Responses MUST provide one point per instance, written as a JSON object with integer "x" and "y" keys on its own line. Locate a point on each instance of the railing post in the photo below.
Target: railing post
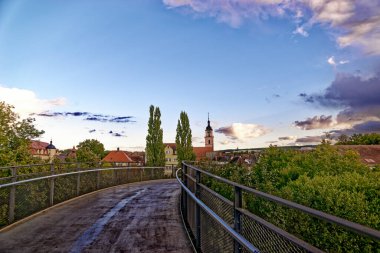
{"x": 184, "y": 195}
{"x": 51, "y": 197}
{"x": 151, "y": 173}
{"x": 173, "y": 172}
{"x": 78, "y": 179}
{"x": 114, "y": 176}
{"x": 98, "y": 179}
{"x": 141, "y": 174}
{"x": 237, "y": 218}
{"x": 198, "y": 211}
{"x": 12, "y": 197}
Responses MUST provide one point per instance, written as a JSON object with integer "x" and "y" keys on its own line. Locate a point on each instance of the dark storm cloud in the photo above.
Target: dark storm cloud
{"x": 358, "y": 97}
{"x": 316, "y": 122}
{"x": 228, "y": 131}
{"x": 88, "y": 116}
{"x": 286, "y": 138}
{"x": 362, "y": 128}
{"x": 309, "y": 139}
{"x": 125, "y": 119}
{"x": 116, "y": 134}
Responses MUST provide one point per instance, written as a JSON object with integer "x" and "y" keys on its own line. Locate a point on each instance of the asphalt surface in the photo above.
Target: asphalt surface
{"x": 139, "y": 217}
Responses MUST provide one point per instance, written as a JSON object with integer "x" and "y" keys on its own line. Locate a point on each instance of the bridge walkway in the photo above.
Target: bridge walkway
{"x": 138, "y": 217}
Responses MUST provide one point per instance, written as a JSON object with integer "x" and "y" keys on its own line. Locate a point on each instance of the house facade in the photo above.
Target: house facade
{"x": 43, "y": 150}
{"x": 170, "y": 154}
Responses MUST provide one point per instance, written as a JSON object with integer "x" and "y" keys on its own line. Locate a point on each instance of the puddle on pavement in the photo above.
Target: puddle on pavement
{"x": 92, "y": 233}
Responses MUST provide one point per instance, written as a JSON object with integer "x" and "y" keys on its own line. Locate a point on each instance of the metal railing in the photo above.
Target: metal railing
{"x": 27, "y": 189}
{"x": 217, "y": 224}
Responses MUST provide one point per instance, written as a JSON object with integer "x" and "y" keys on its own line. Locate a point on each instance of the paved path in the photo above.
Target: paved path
{"x": 139, "y": 217}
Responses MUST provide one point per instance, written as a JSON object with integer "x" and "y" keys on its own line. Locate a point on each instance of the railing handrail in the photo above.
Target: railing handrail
{"x": 60, "y": 163}
{"x": 238, "y": 237}
{"x": 72, "y": 173}
{"x": 358, "y": 228}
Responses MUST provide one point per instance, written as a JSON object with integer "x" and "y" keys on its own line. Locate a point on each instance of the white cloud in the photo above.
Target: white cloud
{"x": 332, "y": 61}
{"x": 301, "y": 31}
{"x": 241, "y": 131}
{"x": 27, "y": 102}
{"x": 357, "y": 23}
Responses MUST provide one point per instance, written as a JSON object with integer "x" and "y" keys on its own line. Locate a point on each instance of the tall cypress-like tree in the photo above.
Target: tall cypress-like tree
{"x": 155, "y": 151}
{"x": 183, "y": 139}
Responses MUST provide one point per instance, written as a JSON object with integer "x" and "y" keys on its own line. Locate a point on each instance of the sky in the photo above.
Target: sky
{"x": 269, "y": 72}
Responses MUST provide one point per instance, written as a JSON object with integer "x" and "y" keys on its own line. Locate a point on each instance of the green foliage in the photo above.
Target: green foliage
{"x": 155, "y": 150}
{"x": 325, "y": 179}
{"x": 183, "y": 140}
{"x": 15, "y": 136}
{"x": 359, "y": 139}
{"x": 90, "y": 150}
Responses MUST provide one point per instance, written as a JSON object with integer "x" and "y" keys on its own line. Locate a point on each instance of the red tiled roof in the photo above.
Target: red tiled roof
{"x": 117, "y": 156}
{"x": 38, "y": 144}
{"x": 200, "y": 152}
{"x": 172, "y": 145}
{"x": 369, "y": 154}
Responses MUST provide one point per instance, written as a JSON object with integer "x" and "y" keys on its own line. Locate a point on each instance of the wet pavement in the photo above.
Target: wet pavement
{"x": 139, "y": 217}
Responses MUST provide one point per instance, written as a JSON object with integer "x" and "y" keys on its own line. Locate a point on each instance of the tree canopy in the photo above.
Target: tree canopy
{"x": 90, "y": 150}
{"x": 15, "y": 136}
{"x": 359, "y": 139}
{"x": 155, "y": 151}
{"x": 183, "y": 139}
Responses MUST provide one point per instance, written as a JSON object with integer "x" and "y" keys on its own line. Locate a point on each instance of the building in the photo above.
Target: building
{"x": 369, "y": 154}
{"x": 43, "y": 150}
{"x": 118, "y": 157}
{"x": 206, "y": 152}
{"x": 201, "y": 153}
{"x": 170, "y": 154}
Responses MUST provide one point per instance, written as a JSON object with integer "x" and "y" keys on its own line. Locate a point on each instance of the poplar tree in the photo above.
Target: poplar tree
{"x": 155, "y": 151}
{"x": 183, "y": 139}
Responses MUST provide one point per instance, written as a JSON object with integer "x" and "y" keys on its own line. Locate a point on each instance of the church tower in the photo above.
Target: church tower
{"x": 209, "y": 135}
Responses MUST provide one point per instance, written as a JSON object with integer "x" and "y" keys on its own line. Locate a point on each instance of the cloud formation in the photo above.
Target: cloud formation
{"x": 334, "y": 63}
{"x": 287, "y": 138}
{"x": 361, "y": 128}
{"x": 357, "y": 97}
{"x": 88, "y": 116}
{"x": 355, "y": 22}
{"x": 26, "y": 101}
{"x": 240, "y": 131}
{"x": 316, "y": 122}
{"x": 309, "y": 139}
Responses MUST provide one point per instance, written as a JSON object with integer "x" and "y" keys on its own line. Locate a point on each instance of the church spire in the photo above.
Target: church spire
{"x": 209, "y": 135}
{"x": 208, "y": 128}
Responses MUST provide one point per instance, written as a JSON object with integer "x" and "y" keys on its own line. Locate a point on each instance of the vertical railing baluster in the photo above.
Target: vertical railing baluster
{"x": 12, "y": 196}
{"x": 197, "y": 211}
{"x": 237, "y": 217}
{"x": 51, "y": 187}
{"x": 78, "y": 179}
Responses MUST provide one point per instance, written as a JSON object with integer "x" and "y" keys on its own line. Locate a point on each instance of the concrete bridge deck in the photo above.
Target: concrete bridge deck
{"x": 138, "y": 217}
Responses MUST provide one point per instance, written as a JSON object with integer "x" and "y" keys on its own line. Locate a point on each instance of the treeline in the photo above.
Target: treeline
{"x": 359, "y": 139}
{"x": 325, "y": 179}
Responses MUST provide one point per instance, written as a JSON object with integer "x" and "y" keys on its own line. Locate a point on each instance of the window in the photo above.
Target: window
{"x": 209, "y": 142}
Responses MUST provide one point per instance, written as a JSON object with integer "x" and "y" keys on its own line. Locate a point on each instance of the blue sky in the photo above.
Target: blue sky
{"x": 245, "y": 62}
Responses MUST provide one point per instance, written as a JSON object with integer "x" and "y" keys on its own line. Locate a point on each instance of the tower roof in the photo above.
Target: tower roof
{"x": 208, "y": 128}
{"x": 50, "y": 146}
